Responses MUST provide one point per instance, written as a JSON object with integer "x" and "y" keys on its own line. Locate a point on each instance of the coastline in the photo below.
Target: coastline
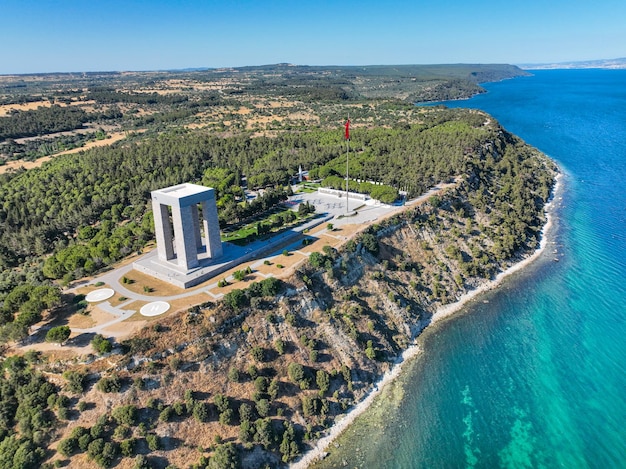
{"x": 318, "y": 452}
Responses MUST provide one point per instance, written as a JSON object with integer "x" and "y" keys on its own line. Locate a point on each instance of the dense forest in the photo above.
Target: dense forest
{"x": 272, "y": 365}
{"x": 42, "y": 121}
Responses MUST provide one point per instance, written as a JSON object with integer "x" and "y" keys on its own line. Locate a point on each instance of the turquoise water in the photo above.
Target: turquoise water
{"x": 533, "y": 375}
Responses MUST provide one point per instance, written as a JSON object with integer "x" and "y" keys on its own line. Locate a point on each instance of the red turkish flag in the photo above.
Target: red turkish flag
{"x": 348, "y": 130}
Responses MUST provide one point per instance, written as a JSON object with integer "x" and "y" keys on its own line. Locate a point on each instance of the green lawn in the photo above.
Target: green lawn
{"x": 248, "y": 233}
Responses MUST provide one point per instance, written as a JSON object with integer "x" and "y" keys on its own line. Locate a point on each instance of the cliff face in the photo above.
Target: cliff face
{"x": 288, "y": 365}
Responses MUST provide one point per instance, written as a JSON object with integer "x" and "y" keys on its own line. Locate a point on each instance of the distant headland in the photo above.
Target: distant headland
{"x": 611, "y": 64}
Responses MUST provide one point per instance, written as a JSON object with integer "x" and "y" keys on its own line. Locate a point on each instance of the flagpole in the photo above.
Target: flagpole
{"x": 347, "y": 162}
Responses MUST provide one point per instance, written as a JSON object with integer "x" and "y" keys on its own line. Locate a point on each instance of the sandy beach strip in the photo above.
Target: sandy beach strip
{"x": 319, "y": 450}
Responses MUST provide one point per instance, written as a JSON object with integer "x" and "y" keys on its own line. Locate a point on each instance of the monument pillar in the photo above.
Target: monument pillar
{"x": 181, "y": 251}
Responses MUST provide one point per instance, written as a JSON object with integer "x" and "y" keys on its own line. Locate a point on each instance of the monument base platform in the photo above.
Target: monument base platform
{"x": 208, "y": 268}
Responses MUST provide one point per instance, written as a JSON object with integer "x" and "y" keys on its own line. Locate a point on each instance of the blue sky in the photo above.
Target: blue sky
{"x": 86, "y": 35}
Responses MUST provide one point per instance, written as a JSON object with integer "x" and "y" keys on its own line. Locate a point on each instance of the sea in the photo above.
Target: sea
{"x": 532, "y": 374}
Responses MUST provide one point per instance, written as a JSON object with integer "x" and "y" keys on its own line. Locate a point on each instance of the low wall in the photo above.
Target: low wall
{"x": 338, "y": 193}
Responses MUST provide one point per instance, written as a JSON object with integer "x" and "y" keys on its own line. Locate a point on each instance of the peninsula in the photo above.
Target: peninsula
{"x": 252, "y": 368}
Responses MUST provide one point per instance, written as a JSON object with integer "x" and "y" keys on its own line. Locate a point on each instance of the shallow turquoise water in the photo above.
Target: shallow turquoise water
{"x": 536, "y": 376}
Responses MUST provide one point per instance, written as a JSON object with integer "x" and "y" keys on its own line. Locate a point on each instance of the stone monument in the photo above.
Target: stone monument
{"x": 179, "y": 239}
{"x": 189, "y": 249}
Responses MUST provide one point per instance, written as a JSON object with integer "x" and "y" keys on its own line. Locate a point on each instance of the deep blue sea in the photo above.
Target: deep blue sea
{"x": 534, "y": 374}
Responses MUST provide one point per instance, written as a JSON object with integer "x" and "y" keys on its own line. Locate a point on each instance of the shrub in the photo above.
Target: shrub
{"x": 253, "y": 372}
{"x": 95, "y": 448}
{"x": 141, "y": 462}
{"x": 263, "y": 407}
{"x": 235, "y": 299}
{"x": 154, "y": 442}
{"x": 370, "y": 351}
{"x": 258, "y": 353}
{"x": 101, "y": 345}
{"x": 121, "y": 432}
{"x": 317, "y": 259}
{"x": 67, "y": 446}
{"x": 270, "y": 286}
{"x": 323, "y": 381}
{"x": 279, "y": 345}
{"x": 128, "y": 447}
{"x": 245, "y": 412}
{"x": 75, "y": 381}
{"x": 295, "y": 371}
{"x": 110, "y": 384}
{"x": 83, "y": 441}
{"x": 125, "y": 415}
{"x": 273, "y": 389}
{"x": 58, "y": 334}
{"x": 224, "y": 457}
{"x": 245, "y": 431}
{"x": 260, "y": 384}
{"x": 234, "y": 375}
{"x": 201, "y": 411}
{"x": 226, "y": 417}
{"x": 310, "y": 406}
{"x": 222, "y": 402}
{"x": 166, "y": 414}
{"x": 370, "y": 243}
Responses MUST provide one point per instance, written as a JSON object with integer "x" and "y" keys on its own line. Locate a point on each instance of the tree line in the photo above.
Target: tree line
{"x": 41, "y": 121}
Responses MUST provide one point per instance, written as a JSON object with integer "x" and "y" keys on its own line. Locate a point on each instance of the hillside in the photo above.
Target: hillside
{"x": 256, "y": 377}
{"x": 259, "y": 376}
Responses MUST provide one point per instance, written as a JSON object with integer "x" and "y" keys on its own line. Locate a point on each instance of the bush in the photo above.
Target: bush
{"x": 317, "y": 259}
{"x": 83, "y": 442}
{"x": 101, "y": 345}
{"x": 234, "y": 375}
{"x": 260, "y": 384}
{"x": 273, "y": 389}
{"x": 370, "y": 351}
{"x": 128, "y": 447}
{"x": 235, "y": 299}
{"x": 95, "y": 448}
{"x": 310, "y": 406}
{"x": 75, "y": 381}
{"x": 141, "y": 462}
{"x": 225, "y": 457}
{"x": 125, "y": 415}
{"x": 245, "y": 412}
{"x": 258, "y": 353}
{"x": 295, "y": 371}
{"x": 226, "y": 417}
{"x": 154, "y": 442}
{"x": 222, "y": 402}
{"x": 201, "y": 411}
{"x": 323, "y": 381}
{"x": 166, "y": 414}
{"x": 58, "y": 334}
{"x": 110, "y": 384}
{"x": 370, "y": 243}
{"x": 263, "y": 407}
{"x": 67, "y": 446}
